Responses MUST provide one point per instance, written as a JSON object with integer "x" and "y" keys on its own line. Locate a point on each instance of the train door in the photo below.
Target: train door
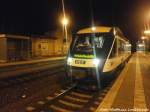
{"x": 111, "y": 62}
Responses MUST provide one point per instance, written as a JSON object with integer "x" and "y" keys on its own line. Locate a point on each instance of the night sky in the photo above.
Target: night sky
{"x": 39, "y": 16}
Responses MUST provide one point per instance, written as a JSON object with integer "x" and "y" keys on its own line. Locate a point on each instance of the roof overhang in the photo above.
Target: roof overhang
{"x": 14, "y": 36}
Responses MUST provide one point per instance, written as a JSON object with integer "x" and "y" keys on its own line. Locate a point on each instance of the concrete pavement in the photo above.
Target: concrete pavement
{"x": 13, "y": 69}
{"x": 30, "y": 61}
{"x": 131, "y": 90}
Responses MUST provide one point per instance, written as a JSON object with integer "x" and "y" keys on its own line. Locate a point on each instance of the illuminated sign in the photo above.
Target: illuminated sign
{"x": 83, "y": 56}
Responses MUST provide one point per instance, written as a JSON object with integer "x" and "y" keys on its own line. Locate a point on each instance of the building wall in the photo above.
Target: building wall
{"x": 58, "y": 47}
{"x": 17, "y": 49}
{"x": 3, "y": 49}
{"x": 46, "y": 47}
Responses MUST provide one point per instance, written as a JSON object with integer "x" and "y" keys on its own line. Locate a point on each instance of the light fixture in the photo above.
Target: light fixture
{"x": 96, "y": 62}
{"x": 65, "y": 21}
{"x": 69, "y": 60}
{"x": 93, "y": 28}
{"x": 147, "y": 31}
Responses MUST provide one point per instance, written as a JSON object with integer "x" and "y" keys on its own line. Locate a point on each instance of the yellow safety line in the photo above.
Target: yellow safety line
{"x": 111, "y": 95}
{"x": 139, "y": 96}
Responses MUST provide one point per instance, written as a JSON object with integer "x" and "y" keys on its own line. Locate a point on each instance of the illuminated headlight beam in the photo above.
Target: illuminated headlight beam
{"x": 69, "y": 60}
{"x": 96, "y": 62}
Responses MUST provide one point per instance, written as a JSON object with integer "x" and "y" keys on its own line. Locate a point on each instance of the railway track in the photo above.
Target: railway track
{"x": 70, "y": 99}
{"x": 15, "y": 89}
{"x": 20, "y": 70}
{"x": 25, "y": 66}
{"x": 62, "y": 99}
{"x": 24, "y": 78}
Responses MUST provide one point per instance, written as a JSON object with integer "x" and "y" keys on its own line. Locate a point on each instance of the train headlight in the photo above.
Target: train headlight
{"x": 96, "y": 62}
{"x": 69, "y": 60}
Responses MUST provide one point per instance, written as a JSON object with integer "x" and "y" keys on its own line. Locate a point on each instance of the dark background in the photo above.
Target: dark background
{"x": 30, "y": 17}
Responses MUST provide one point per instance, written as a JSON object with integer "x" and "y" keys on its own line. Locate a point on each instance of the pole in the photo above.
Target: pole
{"x": 62, "y": 39}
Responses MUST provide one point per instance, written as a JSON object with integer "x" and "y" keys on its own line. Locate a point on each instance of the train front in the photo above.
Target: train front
{"x": 87, "y": 55}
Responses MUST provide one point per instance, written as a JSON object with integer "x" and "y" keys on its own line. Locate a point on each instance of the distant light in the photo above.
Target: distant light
{"x": 143, "y": 37}
{"x": 65, "y": 21}
{"x": 128, "y": 45}
{"x": 93, "y": 28}
{"x": 141, "y": 45}
{"x": 147, "y": 31}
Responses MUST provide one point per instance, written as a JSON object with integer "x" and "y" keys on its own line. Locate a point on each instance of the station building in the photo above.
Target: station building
{"x": 14, "y": 47}
{"x": 44, "y": 46}
{"x": 49, "y": 45}
{"x": 18, "y": 47}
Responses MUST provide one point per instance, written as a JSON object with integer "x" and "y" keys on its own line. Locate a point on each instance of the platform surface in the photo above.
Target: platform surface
{"x": 31, "y": 61}
{"x": 131, "y": 90}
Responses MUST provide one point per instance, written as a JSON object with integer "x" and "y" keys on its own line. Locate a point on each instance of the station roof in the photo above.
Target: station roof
{"x": 98, "y": 29}
{"x": 14, "y": 36}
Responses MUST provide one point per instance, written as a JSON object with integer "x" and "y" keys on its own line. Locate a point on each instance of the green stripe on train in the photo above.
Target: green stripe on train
{"x": 83, "y": 56}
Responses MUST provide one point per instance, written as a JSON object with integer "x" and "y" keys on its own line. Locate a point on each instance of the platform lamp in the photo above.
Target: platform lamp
{"x": 65, "y": 22}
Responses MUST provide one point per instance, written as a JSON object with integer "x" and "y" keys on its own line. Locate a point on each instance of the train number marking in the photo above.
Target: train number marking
{"x": 80, "y": 62}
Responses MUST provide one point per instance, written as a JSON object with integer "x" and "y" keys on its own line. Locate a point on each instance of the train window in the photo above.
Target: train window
{"x": 121, "y": 47}
{"x": 99, "y": 41}
{"x": 127, "y": 47}
{"x": 114, "y": 50}
{"x": 89, "y": 45}
{"x": 84, "y": 44}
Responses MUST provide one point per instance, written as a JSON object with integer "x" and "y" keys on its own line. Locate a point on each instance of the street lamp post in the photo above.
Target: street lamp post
{"x": 64, "y": 24}
{"x": 65, "y": 33}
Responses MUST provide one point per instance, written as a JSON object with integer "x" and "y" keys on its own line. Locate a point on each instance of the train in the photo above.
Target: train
{"x": 95, "y": 53}
{"x": 141, "y": 46}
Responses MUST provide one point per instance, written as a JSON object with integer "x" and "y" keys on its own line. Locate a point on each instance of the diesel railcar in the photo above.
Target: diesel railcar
{"x": 96, "y": 52}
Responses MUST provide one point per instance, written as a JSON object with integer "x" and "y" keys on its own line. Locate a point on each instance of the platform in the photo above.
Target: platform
{"x": 20, "y": 68}
{"x": 131, "y": 90}
{"x": 31, "y": 61}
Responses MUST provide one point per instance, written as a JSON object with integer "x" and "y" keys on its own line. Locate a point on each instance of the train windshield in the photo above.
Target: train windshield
{"x": 87, "y": 46}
